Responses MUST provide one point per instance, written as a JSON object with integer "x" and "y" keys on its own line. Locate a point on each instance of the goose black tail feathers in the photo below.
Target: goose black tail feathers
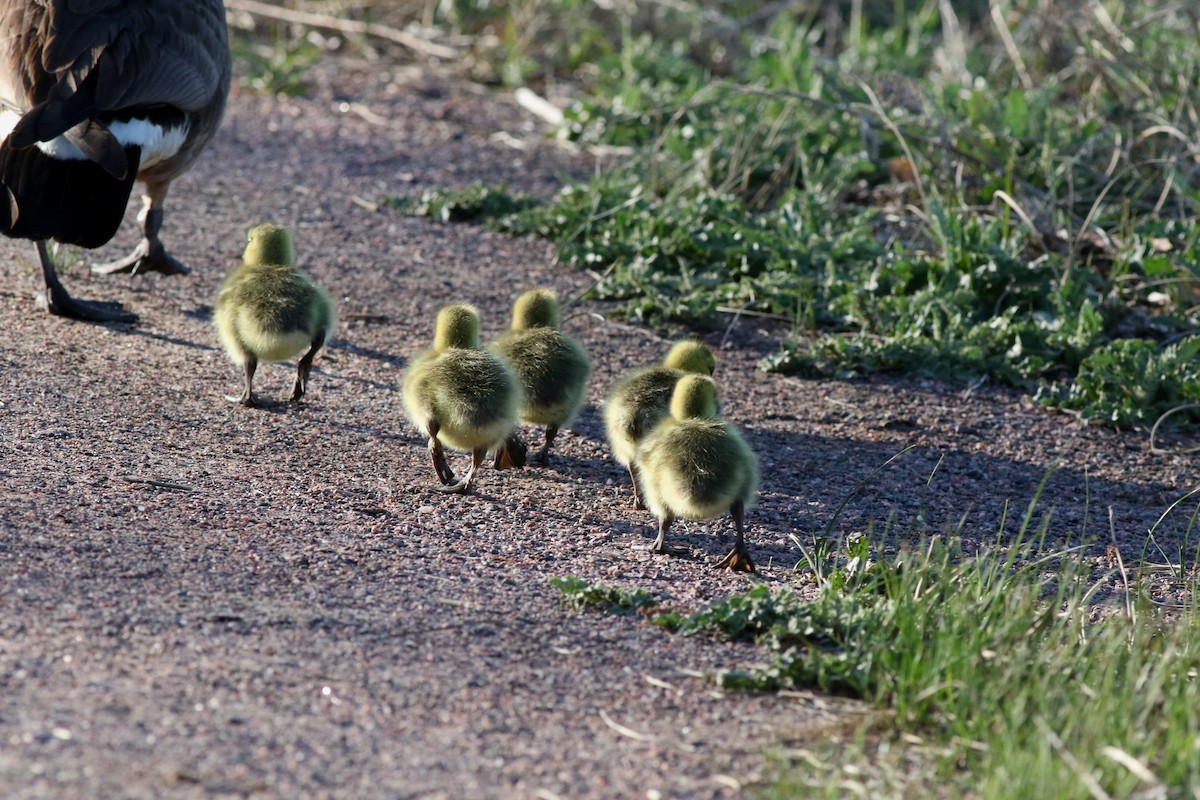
{"x": 75, "y": 202}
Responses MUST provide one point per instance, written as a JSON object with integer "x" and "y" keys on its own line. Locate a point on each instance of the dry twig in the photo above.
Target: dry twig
{"x": 349, "y": 26}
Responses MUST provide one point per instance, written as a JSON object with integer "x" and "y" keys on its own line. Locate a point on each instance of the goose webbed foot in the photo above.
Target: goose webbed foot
{"x": 58, "y": 301}
{"x": 61, "y": 304}
{"x": 464, "y": 484}
{"x": 511, "y": 454}
{"x": 148, "y": 256}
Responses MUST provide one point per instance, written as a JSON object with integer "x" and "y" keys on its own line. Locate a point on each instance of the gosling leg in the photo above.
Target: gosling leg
{"x": 305, "y": 367}
{"x": 638, "y": 502}
{"x": 738, "y": 559}
{"x": 664, "y": 524}
{"x": 246, "y": 398}
{"x": 438, "y": 455}
{"x": 543, "y": 456}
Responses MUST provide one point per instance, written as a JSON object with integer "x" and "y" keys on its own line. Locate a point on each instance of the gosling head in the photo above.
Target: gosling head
{"x": 536, "y": 308}
{"x": 457, "y": 326}
{"x": 695, "y": 397}
{"x": 269, "y": 244}
{"x": 691, "y": 356}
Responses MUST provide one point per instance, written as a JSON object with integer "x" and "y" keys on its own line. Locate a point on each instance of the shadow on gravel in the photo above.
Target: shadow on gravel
{"x": 815, "y": 487}
{"x": 164, "y": 338}
{"x": 365, "y": 352}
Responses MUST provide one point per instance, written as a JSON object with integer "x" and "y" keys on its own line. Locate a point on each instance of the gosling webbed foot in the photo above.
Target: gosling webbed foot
{"x": 511, "y": 454}
{"x": 460, "y": 487}
{"x": 464, "y": 485}
{"x": 737, "y": 560}
{"x": 242, "y": 400}
{"x": 440, "y": 466}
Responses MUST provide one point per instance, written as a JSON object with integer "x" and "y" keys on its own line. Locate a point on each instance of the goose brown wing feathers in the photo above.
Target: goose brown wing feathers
{"x": 80, "y": 60}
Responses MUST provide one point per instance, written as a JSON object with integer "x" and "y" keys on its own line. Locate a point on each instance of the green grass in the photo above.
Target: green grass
{"x": 1012, "y": 672}
{"x": 1046, "y": 238}
{"x": 280, "y": 66}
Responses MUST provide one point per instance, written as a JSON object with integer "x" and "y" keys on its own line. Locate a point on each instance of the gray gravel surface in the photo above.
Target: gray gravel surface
{"x": 201, "y": 600}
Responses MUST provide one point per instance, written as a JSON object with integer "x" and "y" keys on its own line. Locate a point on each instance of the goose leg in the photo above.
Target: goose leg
{"x": 738, "y": 559}
{"x": 305, "y": 367}
{"x": 638, "y": 502}
{"x": 464, "y": 484}
{"x": 149, "y": 255}
{"x": 59, "y": 302}
{"x": 511, "y": 453}
{"x": 438, "y": 455}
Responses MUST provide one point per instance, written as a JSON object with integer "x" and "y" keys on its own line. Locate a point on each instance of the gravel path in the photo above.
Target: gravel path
{"x": 201, "y": 600}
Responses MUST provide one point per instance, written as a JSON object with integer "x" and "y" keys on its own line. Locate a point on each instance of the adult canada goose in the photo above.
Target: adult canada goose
{"x": 95, "y": 94}
{"x": 641, "y": 399}
{"x": 268, "y": 311}
{"x": 697, "y": 466}
{"x": 460, "y": 395}
{"x": 551, "y": 366}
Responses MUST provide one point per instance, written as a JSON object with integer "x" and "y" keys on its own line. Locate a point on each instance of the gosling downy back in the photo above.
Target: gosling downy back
{"x": 694, "y": 464}
{"x": 268, "y": 310}
{"x": 641, "y": 399}
{"x": 551, "y": 366}
{"x": 469, "y": 395}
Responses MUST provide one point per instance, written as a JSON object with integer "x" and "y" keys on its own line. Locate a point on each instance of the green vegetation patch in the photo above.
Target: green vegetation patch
{"x": 1011, "y": 671}
{"x": 579, "y": 594}
{"x": 911, "y": 193}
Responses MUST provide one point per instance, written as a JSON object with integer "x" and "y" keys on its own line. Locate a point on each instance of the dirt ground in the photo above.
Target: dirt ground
{"x": 201, "y": 600}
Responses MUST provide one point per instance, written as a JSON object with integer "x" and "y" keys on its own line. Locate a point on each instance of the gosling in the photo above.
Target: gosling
{"x": 697, "y": 466}
{"x": 641, "y": 399}
{"x": 460, "y": 395}
{"x": 269, "y": 311}
{"x": 551, "y": 366}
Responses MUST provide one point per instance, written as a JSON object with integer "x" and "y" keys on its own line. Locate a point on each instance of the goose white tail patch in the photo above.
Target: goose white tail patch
{"x": 8, "y": 121}
{"x": 157, "y": 143}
